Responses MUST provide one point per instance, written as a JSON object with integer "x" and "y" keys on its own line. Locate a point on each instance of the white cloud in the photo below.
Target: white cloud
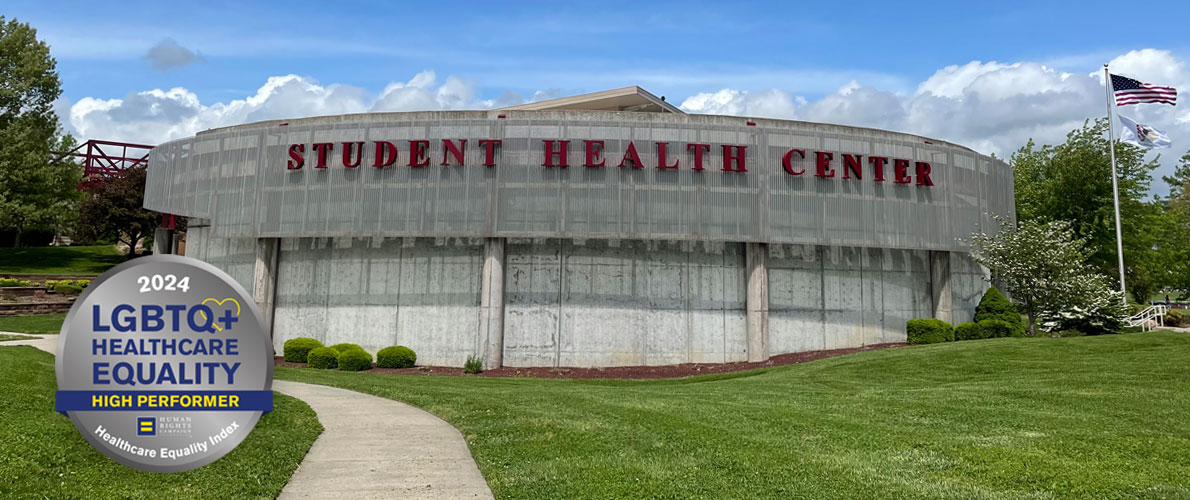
{"x": 167, "y": 54}
{"x": 991, "y": 107}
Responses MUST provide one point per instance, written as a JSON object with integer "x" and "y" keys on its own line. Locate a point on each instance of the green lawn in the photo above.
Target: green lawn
{"x": 59, "y": 260}
{"x": 39, "y": 324}
{"x": 1088, "y": 417}
{"x": 43, "y": 456}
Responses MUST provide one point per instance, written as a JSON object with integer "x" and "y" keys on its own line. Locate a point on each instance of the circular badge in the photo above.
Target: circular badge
{"x": 164, "y": 364}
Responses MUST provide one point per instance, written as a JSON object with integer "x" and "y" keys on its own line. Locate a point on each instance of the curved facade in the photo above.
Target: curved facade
{"x": 585, "y": 238}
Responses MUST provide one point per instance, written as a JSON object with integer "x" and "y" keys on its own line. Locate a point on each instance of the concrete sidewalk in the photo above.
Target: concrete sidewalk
{"x": 47, "y": 343}
{"x": 379, "y": 448}
{"x": 371, "y": 447}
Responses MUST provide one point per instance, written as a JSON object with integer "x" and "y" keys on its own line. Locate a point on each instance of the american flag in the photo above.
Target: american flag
{"x": 1129, "y": 91}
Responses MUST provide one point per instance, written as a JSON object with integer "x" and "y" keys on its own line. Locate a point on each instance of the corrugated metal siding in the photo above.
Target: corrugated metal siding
{"x": 237, "y": 177}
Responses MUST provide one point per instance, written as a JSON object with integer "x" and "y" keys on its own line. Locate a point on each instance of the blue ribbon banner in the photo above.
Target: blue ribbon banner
{"x": 163, "y": 401}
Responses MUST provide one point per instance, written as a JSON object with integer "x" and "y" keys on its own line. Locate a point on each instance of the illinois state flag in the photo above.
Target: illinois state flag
{"x": 1138, "y": 134}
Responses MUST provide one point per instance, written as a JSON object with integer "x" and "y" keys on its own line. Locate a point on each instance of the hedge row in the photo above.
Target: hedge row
{"x": 345, "y": 356}
{"x": 995, "y": 317}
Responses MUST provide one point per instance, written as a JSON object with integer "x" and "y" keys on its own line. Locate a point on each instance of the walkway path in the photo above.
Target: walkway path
{"x": 378, "y": 448}
{"x": 370, "y": 447}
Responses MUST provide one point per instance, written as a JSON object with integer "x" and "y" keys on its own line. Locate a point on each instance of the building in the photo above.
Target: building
{"x": 605, "y": 229}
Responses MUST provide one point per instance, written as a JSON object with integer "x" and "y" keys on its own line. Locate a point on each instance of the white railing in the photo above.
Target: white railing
{"x": 1150, "y": 318}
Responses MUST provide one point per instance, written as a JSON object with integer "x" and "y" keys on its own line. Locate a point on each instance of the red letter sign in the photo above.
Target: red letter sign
{"x": 878, "y": 166}
{"x": 698, "y": 149}
{"x": 737, "y": 156}
{"x": 489, "y": 151}
{"x": 923, "y": 174}
{"x": 593, "y": 153}
{"x": 297, "y": 156}
{"x": 631, "y": 156}
{"x": 851, "y": 166}
{"x": 661, "y": 146}
{"x": 417, "y": 153}
{"x": 823, "y": 164}
{"x": 901, "y": 171}
{"x": 322, "y": 148}
{"x": 787, "y": 161}
{"x": 386, "y": 154}
{"x": 448, "y": 146}
{"x": 550, "y": 154}
{"x": 359, "y": 154}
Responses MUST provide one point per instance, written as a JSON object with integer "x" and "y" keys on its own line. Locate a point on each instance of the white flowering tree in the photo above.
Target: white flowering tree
{"x": 1043, "y": 266}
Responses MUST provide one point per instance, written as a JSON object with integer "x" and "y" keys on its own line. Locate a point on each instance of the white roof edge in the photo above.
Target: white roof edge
{"x": 631, "y": 91}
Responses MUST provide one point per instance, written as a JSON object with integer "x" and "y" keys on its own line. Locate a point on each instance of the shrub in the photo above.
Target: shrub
{"x": 396, "y": 357}
{"x": 994, "y": 329}
{"x": 67, "y": 288}
{"x": 1067, "y": 333}
{"x": 1174, "y": 317}
{"x": 345, "y": 346}
{"x": 296, "y": 350}
{"x": 324, "y": 358}
{"x": 1097, "y": 315}
{"x": 353, "y": 360}
{"x": 473, "y": 365}
{"x": 969, "y": 331}
{"x": 10, "y": 282}
{"x": 994, "y": 305}
{"x": 928, "y": 331}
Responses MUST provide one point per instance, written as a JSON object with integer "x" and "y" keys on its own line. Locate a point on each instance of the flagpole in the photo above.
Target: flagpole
{"x": 1115, "y": 190}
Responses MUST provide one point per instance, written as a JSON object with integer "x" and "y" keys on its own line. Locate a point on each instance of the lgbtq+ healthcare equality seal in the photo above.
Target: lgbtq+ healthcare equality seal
{"x": 164, "y": 364}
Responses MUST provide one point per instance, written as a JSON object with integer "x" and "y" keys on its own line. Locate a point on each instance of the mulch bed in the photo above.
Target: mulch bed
{"x": 624, "y": 372}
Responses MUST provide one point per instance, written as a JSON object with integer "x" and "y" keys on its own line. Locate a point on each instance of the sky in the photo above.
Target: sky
{"x": 987, "y": 75}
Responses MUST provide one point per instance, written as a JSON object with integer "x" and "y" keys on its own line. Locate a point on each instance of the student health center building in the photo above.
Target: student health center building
{"x": 607, "y": 229}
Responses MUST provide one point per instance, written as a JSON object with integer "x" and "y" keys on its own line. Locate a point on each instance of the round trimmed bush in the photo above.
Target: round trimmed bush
{"x": 345, "y": 346}
{"x": 353, "y": 360}
{"x": 396, "y": 357}
{"x": 994, "y": 305}
{"x": 296, "y": 350}
{"x": 928, "y": 331}
{"x": 995, "y": 328}
{"x": 969, "y": 331}
{"x": 324, "y": 358}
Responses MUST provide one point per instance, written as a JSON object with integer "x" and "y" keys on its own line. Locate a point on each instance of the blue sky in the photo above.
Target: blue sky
{"x": 675, "y": 48}
{"x": 926, "y": 68}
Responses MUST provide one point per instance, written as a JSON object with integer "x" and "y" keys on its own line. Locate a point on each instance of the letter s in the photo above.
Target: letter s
{"x": 297, "y": 156}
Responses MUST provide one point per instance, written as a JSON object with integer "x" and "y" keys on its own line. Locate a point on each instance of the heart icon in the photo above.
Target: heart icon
{"x": 218, "y": 302}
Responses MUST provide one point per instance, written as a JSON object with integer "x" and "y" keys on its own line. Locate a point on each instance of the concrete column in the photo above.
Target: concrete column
{"x": 491, "y": 303}
{"x": 940, "y": 290}
{"x": 163, "y": 238}
{"x": 756, "y": 261}
{"x": 264, "y": 281}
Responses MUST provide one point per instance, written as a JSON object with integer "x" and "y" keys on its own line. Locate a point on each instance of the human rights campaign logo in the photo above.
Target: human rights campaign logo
{"x": 146, "y": 426}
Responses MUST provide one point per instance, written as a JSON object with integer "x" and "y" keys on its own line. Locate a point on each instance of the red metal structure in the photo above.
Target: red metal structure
{"x": 100, "y": 158}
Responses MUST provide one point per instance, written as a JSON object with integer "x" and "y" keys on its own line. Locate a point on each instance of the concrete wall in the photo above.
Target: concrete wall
{"x": 592, "y": 302}
{"x": 968, "y": 283}
{"x": 422, "y": 293}
{"x": 835, "y": 297}
{"x": 617, "y": 303}
{"x": 235, "y": 256}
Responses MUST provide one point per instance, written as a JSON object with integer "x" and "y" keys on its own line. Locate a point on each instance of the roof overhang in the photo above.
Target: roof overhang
{"x": 625, "y": 99}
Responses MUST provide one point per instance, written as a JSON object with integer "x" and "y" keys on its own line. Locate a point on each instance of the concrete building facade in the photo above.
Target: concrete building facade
{"x": 601, "y": 230}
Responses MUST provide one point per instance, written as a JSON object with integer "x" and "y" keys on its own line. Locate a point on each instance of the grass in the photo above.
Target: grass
{"x": 1088, "y": 417}
{"x": 4, "y": 337}
{"x": 59, "y": 260}
{"x": 38, "y": 324}
{"x": 43, "y": 456}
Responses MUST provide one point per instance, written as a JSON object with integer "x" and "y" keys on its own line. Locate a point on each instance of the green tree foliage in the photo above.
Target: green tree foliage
{"x": 1043, "y": 265}
{"x": 1173, "y": 240}
{"x": 37, "y": 189}
{"x": 114, "y": 209}
{"x": 1071, "y": 182}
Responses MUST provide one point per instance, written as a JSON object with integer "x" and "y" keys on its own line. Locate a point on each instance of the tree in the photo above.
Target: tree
{"x": 1072, "y": 182}
{"x": 1179, "y": 182}
{"x": 1043, "y": 266}
{"x": 115, "y": 209}
{"x": 36, "y": 190}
